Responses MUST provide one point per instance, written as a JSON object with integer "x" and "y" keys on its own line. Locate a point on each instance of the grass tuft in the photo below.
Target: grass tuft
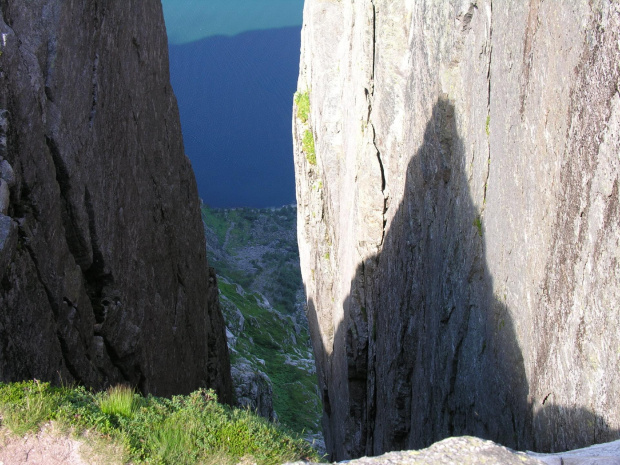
{"x": 117, "y": 400}
{"x": 302, "y": 101}
{"x": 307, "y": 145}
{"x": 478, "y": 224}
{"x": 173, "y": 442}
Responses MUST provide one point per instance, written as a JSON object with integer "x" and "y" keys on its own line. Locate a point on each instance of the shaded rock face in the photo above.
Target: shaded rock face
{"x": 459, "y": 230}
{"x": 104, "y": 277}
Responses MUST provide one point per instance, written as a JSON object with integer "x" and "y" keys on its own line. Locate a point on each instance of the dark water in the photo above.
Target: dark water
{"x": 235, "y": 97}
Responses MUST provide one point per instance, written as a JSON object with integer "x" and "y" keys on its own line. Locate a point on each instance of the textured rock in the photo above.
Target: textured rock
{"x": 5, "y": 197}
{"x": 8, "y": 243}
{"x": 601, "y": 454}
{"x": 459, "y": 230}
{"x": 471, "y": 450}
{"x": 6, "y": 173}
{"x": 461, "y": 450}
{"x": 108, "y": 280}
{"x": 253, "y": 389}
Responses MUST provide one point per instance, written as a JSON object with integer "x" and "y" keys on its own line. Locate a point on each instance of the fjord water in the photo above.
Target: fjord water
{"x": 191, "y": 20}
{"x": 234, "y": 91}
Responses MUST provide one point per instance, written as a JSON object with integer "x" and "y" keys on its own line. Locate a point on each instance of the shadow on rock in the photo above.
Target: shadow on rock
{"x": 427, "y": 348}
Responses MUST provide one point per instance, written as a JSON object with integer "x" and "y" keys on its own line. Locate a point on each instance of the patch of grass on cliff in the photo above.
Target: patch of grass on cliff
{"x": 478, "y": 224}
{"x": 181, "y": 430}
{"x": 268, "y": 235}
{"x": 217, "y": 222}
{"x": 302, "y": 101}
{"x": 307, "y": 145}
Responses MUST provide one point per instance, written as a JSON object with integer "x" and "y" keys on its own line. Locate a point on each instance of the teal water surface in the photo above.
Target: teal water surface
{"x": 191, "y": 20}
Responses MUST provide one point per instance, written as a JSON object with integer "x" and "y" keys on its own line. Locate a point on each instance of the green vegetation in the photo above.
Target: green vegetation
{"x": 478, "y": 225}
{"x": 487, "y": 126}
{"x": 181, "y": 430}
{"x": 267, "y": 341}
{"x": 255, "y": 254}
{"x": 302, "y": 101}
{"x": 307, "y": 145}
{"x": 118, "y": 400}
{"x": 232, "y": 232}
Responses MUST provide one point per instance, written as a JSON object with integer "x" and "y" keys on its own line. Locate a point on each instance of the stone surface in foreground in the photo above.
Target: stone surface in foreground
{"x": 600, "y": 454}
{"x": 460, "y": 450}
{"x": 470, "y": 450}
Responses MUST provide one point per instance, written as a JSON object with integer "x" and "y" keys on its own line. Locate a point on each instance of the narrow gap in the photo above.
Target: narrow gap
{"x": 369, "y": 96}
{"x": 96, "y": 277}
{"x": 235, "y": 90}
{"x": 76, "y": 242}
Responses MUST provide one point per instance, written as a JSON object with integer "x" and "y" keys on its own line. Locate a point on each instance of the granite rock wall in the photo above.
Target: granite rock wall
{"x": 459, "y": 225}
{"x": 103, "y": 275}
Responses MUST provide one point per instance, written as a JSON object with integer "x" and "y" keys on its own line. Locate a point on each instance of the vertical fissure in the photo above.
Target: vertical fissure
{"x": 369, "y": 96}
{"x": 75, "y": 240}
{"x": 488, "y": 120}
{"x": 96, "y": 278}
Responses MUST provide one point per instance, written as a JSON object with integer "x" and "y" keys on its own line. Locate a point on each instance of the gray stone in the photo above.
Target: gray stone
{"x": 5, "y": 197}
{"x": 8, "y": 243}
{"x": 471, "y": 450}
{"x": 109, "y": 282}
{"x": 459, "y": 234}
{"x": 253, "y": 389}
{"x": 6, "y": 173}
{"x": 463, "y": 450}
{"x": 601, "y": 454}
{"x": 3, "y": 130}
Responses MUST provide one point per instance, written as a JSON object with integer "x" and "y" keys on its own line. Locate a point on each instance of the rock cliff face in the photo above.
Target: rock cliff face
{"x": 103, "y": 271}
{"x": 457, "y": 185}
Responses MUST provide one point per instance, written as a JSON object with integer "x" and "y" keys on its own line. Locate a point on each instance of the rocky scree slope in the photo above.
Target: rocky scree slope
{"x": 103, "y": 271}
{"x": 257, "y": 248}
{"x": 457, "y": 182}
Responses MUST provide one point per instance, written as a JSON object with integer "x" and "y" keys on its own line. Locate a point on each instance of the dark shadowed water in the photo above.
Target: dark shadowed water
{"x": 235, "y": 97}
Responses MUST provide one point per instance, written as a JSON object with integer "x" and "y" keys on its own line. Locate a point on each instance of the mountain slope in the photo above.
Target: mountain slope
{"x": 255, "y": 253}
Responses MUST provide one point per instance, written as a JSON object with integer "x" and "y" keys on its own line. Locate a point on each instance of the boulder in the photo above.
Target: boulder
{"x": 253, "y": 389}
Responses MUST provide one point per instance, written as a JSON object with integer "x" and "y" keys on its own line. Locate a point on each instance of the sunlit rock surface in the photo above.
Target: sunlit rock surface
{"x": 470, "y": 450}
{"x": 459, "y": 227}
